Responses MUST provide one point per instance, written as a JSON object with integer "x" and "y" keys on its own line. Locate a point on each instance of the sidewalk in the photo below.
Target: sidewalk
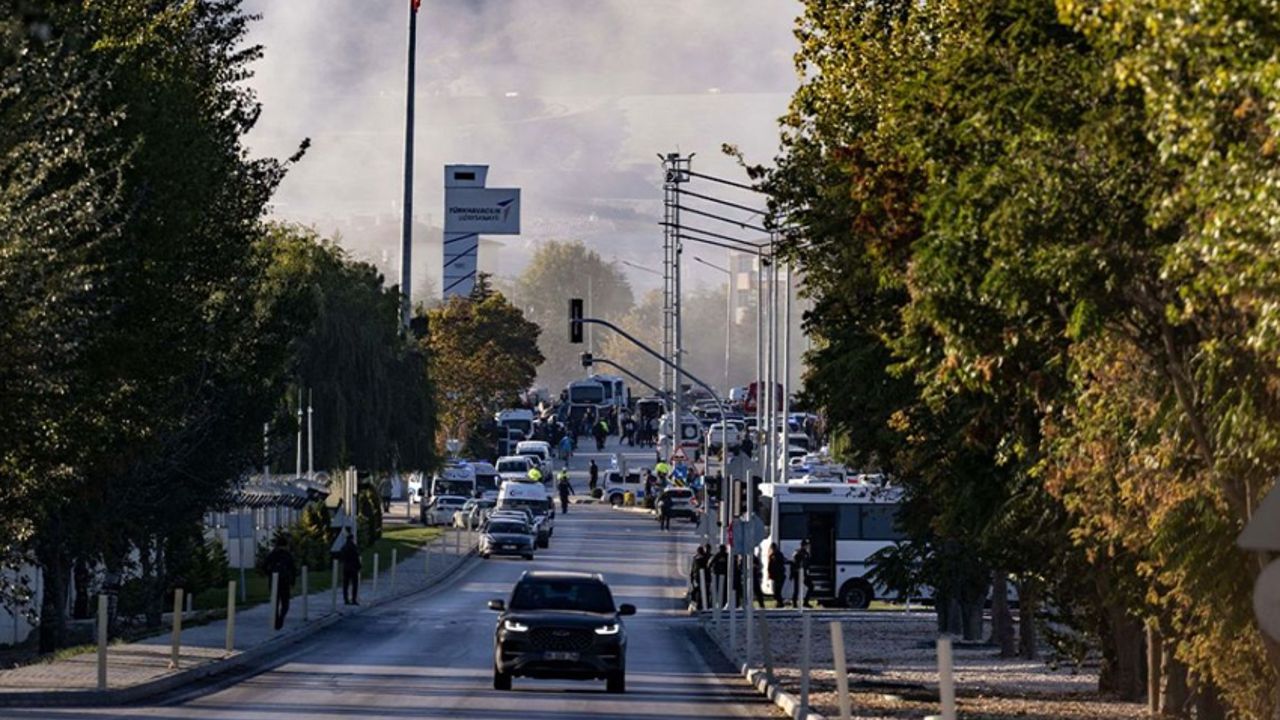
{"x": 141, "y": 668}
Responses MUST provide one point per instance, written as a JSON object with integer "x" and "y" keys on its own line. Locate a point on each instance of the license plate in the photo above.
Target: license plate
{"x": 571, "y": 656}
{"x": 508, "y": 547}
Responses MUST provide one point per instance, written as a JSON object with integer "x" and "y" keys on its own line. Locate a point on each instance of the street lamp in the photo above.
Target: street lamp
{"x": 728, "y": 315}
{"x": 641, "y": 268}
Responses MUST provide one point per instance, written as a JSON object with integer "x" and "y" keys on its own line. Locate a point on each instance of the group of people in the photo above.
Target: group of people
{"x": 638, "y": 430}
{"x": 715, "y": 567}
{"x": 280, "y": 564}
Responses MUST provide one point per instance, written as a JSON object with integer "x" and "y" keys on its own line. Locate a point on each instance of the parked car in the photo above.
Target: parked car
{"x": 560, "y": 625}
{"x": 472, "y": 514}
{"x": 616, "y": 485}
{"x": 439, "y": 510}
{"x": 539, "y": 449}
{"x": 729, "y": 432}
{"x": 507, "y": 536}
{"x": 683, "y": 503}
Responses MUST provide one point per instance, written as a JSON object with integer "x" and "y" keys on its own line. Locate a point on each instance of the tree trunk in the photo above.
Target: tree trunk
{"x": 1175, "y": 692}
{"x": 973, "y": 598}
{"x": 55, "y": 568}
{"x": 1207, "y": 702}
{"x": 1002, "y": 635}
{"x": 1154, "y": 651}
{"x": 1028, "y": 607}
{"x": 1129, "y": 637}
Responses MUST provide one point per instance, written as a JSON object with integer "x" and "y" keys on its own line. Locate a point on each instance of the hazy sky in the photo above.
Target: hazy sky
{"x": 570, "y": 100}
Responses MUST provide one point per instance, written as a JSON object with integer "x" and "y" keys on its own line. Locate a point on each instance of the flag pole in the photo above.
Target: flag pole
{"x": 406, "y": 239}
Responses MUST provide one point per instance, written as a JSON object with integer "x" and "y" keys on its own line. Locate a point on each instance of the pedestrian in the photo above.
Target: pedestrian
{"x": 698, "y": 567}
{"x": 566, "y": 448}
{"x": 349, "y": 557}
{"x": 593, "y": 474}
{"x": 601, "y": 433}
{"x": 279, "y": 562}
{"x": 739, "y": 569}
{"x": 719, "y": 569}
{"x": 800, "y": 574}
{"x": 665, "y": 503}
{"x": 565, "y": 490}
{"x": 757, "y": 576}
{"x": 777, "y": 573}
{"x": 747, "y": 446}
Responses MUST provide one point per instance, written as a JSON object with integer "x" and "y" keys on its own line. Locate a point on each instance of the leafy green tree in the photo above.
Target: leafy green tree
{"x": 557, "y": 272}
{"x": 484, "y": 353}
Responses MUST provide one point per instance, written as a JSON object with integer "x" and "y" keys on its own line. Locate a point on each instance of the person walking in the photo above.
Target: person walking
{"x": 566, "y": 448}
{"x": 562, "y": 484}
{"x": 747, "y": 447}
{"x": 601, "y": 433}
{"x": 739, "y": 569}
{"x": 697, "y": 568}
{"x": 593, "y": 475}
{"x": 777, "y": 565}
{"x": 719, "y": 571}
{"x": 800, "y": 574}
{"x": 665, "y": 503}
{"x": 349, "y": 557}
{"x": 279, "y": 562}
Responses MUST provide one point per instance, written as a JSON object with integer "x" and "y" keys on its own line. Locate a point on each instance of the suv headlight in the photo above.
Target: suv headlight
{"x": 513, "y": 626}
{"x": 610, "y": 629}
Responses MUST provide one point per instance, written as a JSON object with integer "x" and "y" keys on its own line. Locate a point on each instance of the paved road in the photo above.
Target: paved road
{"x": 430, "y": 656}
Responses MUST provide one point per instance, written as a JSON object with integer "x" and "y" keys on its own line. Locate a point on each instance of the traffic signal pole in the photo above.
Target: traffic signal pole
{"x": 726, "y": 481}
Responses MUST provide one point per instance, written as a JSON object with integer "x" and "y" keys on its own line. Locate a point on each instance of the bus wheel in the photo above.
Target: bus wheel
{"x": 856, "y": 594}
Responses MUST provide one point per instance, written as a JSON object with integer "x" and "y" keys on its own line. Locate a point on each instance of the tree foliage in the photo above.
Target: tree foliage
{"x": 484, "y": 353}
{"x": 1042, "y": 237}
{"x": 557, "y": 272}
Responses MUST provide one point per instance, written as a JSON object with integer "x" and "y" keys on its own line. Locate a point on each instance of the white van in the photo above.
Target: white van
{"x": 514, "y": 467}
{"x": 536, "y": 448}
{"x": 532, "y": 495}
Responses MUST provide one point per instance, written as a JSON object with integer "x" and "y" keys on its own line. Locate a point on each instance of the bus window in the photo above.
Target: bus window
{"x": 793, "y": 523}
{"x": 850, "y": 528}
{"x": 880, "y": 522}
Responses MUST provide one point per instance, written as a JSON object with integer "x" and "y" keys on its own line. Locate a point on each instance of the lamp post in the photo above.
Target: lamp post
{"x": 728, "y": 315}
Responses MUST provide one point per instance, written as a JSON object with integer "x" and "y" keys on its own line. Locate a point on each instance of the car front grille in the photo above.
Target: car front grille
{"x": 560, "y": 639}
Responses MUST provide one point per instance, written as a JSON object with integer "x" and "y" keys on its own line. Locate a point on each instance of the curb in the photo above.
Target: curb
{"x": 767, "y": 686}
{"x": 167, "y": 683}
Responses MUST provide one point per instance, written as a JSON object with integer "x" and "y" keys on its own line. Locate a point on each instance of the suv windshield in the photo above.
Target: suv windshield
{"x": 580, "y": 595}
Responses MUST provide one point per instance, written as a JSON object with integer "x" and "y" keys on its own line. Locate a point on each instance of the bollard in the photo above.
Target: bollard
{"x": 748, "y": 592}
{"x": 377, "y": 560}
{"x": 190, "y": 602}
{"x": 333, "y": 589}
{"x": 946, "y": 681}
{"x": 733, "y": 614}
{"x": 806, "y": 633}
{"x": 275, "y": 596}
{"x": 393, "y": 571}
{"x": 704, "y": 592}
{"x": 231, "y": 616}
{"x": 802, "y": 597}
{"x": 715, "y": 606}
{"x": 766, "y": 645}
{"x": 841, "y": 668}
{"x": 102, "y": 642}
{"x": 306, "y": 589}
{"x": 176, "y": 641}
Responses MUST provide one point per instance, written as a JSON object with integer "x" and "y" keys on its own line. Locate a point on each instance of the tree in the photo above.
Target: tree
{"x": 557, "y": 272}
{"x": 483, "y": 354}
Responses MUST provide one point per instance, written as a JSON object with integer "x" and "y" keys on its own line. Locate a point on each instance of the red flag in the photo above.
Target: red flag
{"x": 415, "y": 4}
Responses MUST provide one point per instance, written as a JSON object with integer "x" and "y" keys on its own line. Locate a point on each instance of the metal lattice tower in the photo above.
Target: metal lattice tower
{"x": 675, "y": 172}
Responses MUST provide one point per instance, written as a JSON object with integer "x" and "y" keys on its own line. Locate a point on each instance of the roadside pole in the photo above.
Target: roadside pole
{"x": 333, "y": 589}
{"x": 806, "y": 658}
{"x": 231, "y": 616}
{"x": 102, "y": 642}
{"x": 275, "y": 594}
{"x": 393, "y": 571}
{"x": 305, "y": 592}
{"x": 841, "y": 668}
{"x": 176, "y": 639}
{"x": 946, "y": 680}
{"x": 376, "y": 561}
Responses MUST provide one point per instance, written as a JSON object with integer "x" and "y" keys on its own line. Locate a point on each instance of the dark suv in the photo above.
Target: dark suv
{"x": 560, "y": 625}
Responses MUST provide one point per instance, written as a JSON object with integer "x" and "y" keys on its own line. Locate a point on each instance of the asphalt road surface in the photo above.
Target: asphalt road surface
{"x": 430, "y": 655}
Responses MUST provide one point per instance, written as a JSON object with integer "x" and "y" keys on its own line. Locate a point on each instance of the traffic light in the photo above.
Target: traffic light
{"x": 587, "y": 360}
{"x": 575, "y": 321}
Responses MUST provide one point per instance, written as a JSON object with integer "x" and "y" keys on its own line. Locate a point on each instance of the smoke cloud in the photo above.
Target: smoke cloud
{"x": 569, "y": 99}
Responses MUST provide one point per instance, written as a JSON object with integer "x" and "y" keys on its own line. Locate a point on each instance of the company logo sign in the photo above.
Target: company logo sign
{"x": 487, "y": 211}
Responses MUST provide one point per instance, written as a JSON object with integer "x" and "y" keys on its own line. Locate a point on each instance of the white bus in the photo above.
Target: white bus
{"x": 615, "y": 391}
{"x": 845, "y": 525}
